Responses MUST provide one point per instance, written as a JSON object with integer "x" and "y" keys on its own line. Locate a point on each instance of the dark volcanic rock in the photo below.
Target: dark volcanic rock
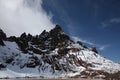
{"x": 94, "y": 49}
{"x": 1, "y": 42}
{"x": 58, "y": 37}
{"x": 63, "y": 51}
{"x": 2, "y": 35}
{"x": 33, "y": 62}
{"x": 2, "y": 66}
{"x": 12, "y": 38}
{"x": 51, "y": 40}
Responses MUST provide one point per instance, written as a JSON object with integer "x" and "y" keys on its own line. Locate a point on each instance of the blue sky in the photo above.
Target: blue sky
{"x": 95, "y": 22}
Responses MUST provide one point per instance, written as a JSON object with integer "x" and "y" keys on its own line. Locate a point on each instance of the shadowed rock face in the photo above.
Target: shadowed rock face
{"x": 1, "y": 42}
{"x": 94, "y": 49}
{"x": 56, "y": 38}
{"x": 2, "y": 35}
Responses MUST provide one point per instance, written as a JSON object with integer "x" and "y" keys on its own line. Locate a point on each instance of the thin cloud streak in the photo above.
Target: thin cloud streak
{"x": 18, "y": 16}
{"x": 100, "y": 47}
{"x": 104, "y": 47}
{"x": 82, "y": 40}
{"x": 110, "y": 22}
{"x": 115, "y": 20}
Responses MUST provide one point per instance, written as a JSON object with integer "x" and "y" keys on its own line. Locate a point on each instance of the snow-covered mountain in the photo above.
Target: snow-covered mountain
{"x": 51, "y": 54}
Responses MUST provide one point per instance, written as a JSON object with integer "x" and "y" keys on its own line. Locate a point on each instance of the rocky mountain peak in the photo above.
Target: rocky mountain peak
{"x": 57, "y": 30}
{"x": 54, "y": 38}
{"x": 52, "y": 53}
{"x": 51, "y": 40}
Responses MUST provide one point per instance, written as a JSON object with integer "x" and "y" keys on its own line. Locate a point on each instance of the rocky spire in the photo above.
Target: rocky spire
{"x": 2, "y": 34}
{"x": 2, "y": 37}
{"x": 56, "y": 30}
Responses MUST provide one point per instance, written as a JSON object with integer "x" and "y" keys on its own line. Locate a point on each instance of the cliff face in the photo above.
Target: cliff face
{"x": 2, "y": 37}
{"x": 51, "y": 54}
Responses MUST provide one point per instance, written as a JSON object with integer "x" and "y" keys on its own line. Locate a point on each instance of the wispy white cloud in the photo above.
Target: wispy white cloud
{"x": 115, "y": 20}
{"x": 18, "y": 16}
{"x": 103, "y": 47}
{"x": 110, "y": 22}
{"x": 100, "y": 47}
{"x": 82, "y": 40}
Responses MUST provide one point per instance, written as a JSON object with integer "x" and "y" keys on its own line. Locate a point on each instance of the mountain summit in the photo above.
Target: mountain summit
{"x": 51, "y": 54}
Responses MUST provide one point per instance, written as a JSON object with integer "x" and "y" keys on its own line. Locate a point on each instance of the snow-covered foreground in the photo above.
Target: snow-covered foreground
{"x": 54, "y": 79}
{"x": 11, "y": 74}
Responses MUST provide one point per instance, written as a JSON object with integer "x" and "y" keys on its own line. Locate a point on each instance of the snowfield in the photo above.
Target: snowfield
{"x": 12, "y": 71}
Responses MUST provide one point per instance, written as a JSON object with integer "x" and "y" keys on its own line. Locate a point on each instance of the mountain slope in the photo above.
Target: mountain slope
{"x": 51, "y": 54}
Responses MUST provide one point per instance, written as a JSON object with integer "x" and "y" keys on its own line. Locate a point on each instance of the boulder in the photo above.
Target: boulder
{"x": 94, "y": 50}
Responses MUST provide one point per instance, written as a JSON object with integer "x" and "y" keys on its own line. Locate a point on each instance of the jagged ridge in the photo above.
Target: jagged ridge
{"x": 53, "y": 52}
